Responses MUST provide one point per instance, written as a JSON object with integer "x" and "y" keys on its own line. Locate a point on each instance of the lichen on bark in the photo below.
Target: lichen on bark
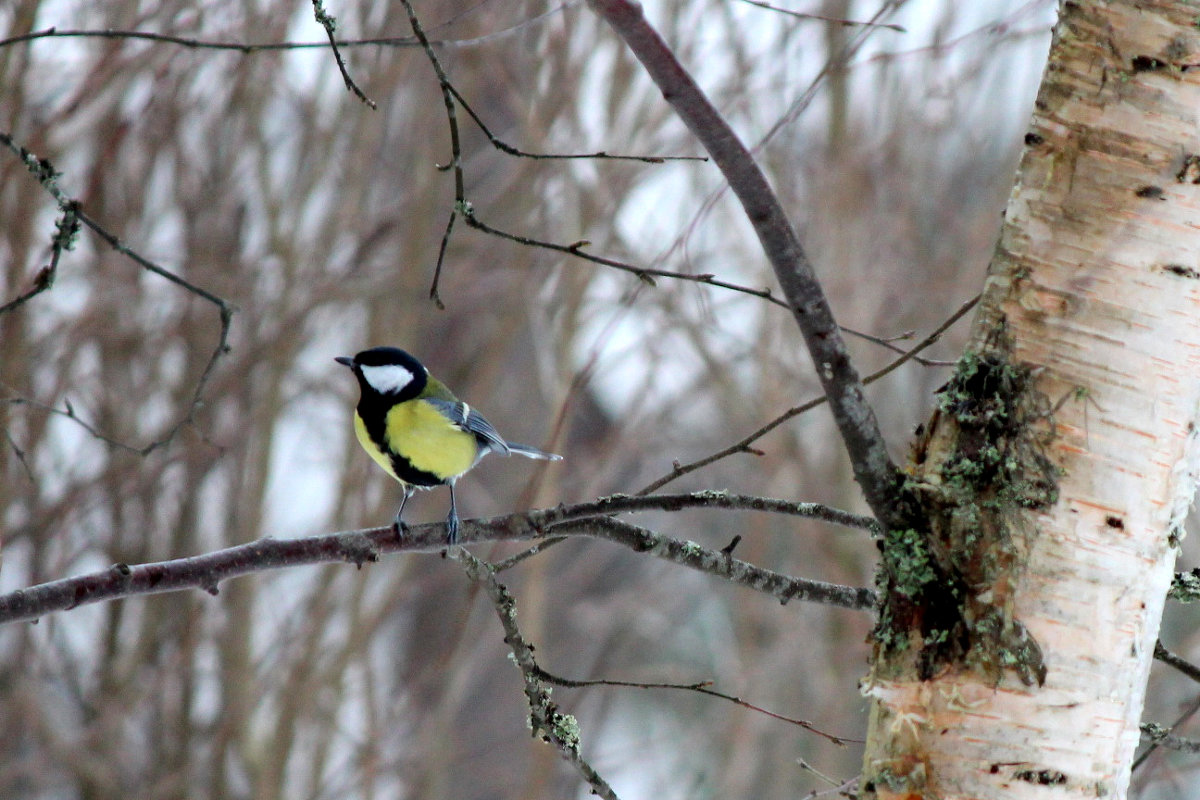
{"x": 978, "y": 469}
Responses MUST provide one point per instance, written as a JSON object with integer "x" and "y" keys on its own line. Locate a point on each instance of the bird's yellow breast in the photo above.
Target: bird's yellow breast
{"x": 368, "y": 444}
{"x": 417, "y": 432}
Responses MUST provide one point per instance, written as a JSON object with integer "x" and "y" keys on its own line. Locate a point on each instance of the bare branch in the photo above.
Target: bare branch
{"x": 1164, "y": 655}
{"x": 73, "y": 215}
{"x": 434, "y": 294}
{"x": 69, "y": 412}
{"x": 196, "y": 572}
{"x": 327, "y": 21}
{"x": 743, "y": 446}
{"x": 362, "y": 546}
{"x": 504, "y": 147}
{"x": 463, "y": 207}
{"x": 709, "y": 499}
{"x": 254, "y": 47}
{"x": 627, "y": 504}
{"x": 20, "y": 454}
{"x": 450, "y": 96}
{"x": 703, "y": 687}
{"x": 645, "y": 274}
{"x": 1159, "y": 737}
{"x": 818, "y": 18}
{"x": 460, "y": 197}
{"x": 689, "y": 554}
{"x": 200, "y": 44}
{"x": 66, "y": 230}
{"x": 876, "y": 473}
{"x": 557, "y": 729}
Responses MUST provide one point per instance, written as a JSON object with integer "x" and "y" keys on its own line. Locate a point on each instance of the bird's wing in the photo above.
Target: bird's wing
{"x": 471, "y": 420}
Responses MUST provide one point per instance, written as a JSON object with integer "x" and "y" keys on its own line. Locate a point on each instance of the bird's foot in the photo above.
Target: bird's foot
{"x": 400, "y": 529}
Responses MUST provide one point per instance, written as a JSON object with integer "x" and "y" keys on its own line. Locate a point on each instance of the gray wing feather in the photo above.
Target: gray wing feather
{"x": 471, "y": 420}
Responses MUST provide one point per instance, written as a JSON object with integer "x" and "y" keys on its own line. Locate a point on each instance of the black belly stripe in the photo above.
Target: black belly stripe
{"x": 406, "y": 472}
{"x": 374, "y": 417}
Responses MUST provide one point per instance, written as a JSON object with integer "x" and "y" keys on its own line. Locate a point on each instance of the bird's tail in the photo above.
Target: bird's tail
{"x": 532, "y": 452}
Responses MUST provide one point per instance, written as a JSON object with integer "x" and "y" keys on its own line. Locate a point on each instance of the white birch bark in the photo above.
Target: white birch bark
{"x": 1097, "y": 280}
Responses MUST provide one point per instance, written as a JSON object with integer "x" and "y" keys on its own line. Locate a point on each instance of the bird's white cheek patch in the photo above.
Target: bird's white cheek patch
{"x": 388, "y": 378}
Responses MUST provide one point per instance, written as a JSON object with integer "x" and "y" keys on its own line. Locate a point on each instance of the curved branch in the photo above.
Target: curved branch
{"x": 874, "y": 469}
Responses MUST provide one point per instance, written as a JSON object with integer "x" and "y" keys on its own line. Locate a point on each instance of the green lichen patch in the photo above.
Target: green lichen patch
{"x": 1185, "y": 587}
{"x": 980, "y": 468}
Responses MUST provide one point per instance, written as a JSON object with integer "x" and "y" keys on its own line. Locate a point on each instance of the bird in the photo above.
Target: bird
{"x": 418, "y": 431}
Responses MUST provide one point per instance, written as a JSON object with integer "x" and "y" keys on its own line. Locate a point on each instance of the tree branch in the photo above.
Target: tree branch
{"x": 819, "y": 18}
{"x": 743, "y": 446}
{"x": 362, "y": 546}
{"x": 689, "y": 554}
{"x": 557, "y": 729}
{"x": 327, "y": 21}
{"x": 704, "y": 687}
{"x": 874, "y": 470}
{"x": 68, "y": 224}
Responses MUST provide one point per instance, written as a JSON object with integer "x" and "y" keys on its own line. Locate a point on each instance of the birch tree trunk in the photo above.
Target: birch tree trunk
{"x": 1017, "y": 632}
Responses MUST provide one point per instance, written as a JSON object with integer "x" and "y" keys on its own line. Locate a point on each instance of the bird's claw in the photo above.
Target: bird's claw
{"x": 400, "y": 529}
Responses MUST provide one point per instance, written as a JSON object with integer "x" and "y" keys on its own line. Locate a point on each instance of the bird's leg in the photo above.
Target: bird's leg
{"x": 398, "y": 526}
{"x": 452, "y": 520}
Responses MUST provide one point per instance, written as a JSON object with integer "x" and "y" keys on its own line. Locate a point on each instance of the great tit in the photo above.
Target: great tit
{"x": 417, "y": 430}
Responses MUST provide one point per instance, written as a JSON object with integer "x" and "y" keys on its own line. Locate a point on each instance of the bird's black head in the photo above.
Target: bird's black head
{"x": 387, "y": 371}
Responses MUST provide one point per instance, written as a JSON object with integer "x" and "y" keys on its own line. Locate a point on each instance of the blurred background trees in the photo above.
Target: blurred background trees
{"x": 257, "y": 177}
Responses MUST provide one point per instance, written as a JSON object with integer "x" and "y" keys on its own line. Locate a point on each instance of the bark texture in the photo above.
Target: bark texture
{"x": 1017, "y": 657}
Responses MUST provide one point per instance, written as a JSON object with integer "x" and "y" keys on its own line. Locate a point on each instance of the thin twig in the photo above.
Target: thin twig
{"x": 631, "y": 504}
{"x": 834, "y": 63}
{"x": 72, "y": 216}
{"x": 844, "y": 788}
{"x": 1164, "y": 655}
{"x": 20, "y": 454}
{"x": 253, "y": 47}
{"x": 626, "y": 504}
{"x": 504, "y": 147}
{"x": 529, "y": 552}
{"x": 743, "y": 446}
{"x": 703, "y": 687}
{"x": 201, "y": 44}
{"x": 329, "y": 23}
{"x": 66, "y": 229}
{"x": 835, "y": 20}
{"x": 68, "y": 411}
{"x": 555, "y": 728}
{"x": 460, "y": 196}
{"x": 645, "y": 274}
{"x": 463, "y": 206}
{"x": 887, "y": 344}
{"x": 1161, "y": 737}
{"x": 1158, "y": 736}
{"x": 434, "y": 294}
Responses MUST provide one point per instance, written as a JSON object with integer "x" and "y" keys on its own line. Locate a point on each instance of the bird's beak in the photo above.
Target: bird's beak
{"x": 346, "y": 360}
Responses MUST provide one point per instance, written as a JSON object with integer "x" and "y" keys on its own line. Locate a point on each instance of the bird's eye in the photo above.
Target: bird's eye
{"x": 387, "y": 378}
